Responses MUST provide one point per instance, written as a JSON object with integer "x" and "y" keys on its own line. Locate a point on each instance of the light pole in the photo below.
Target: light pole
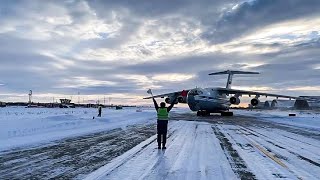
{"x": 78, "y": 98}
{"x": 30, "y": 96}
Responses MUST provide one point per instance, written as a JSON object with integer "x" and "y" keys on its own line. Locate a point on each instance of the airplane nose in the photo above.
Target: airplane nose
{"x": 192, "y": 103}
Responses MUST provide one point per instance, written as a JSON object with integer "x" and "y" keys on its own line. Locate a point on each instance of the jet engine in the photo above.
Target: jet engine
{"x": 168, "y": 100}
{"x": 274, "y": 103}
{"x": 182, "y": 99}
{"x": 235, "y": 100}
{"x": 255, "y": 101}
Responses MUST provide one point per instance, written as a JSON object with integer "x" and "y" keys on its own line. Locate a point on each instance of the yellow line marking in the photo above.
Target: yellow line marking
{"x": 275, "y": 159}
{"x": 271, "y": 156}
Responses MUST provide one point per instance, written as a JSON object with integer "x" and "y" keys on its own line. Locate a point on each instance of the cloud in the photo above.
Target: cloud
{"x": 78, "y": 82}
{"x": 121, "y": 48}
{"x": 172, "y": 77}
{"x": 158, "y": 8}
{"x": 305, "y": 88}
{"x": 249, "y": 16}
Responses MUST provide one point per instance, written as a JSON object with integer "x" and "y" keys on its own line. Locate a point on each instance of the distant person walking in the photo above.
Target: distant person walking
{"x": 99, "y": 111}
{"x": 162, "y": 122}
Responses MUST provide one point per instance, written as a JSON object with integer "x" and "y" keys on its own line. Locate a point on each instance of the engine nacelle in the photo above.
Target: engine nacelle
{"x": 182, "y": 99}
{"x": 274, "y": 103}
{"x": 169, "y": 100}
{"x": 235, "y": 100}
{"x": 255, "y": 101}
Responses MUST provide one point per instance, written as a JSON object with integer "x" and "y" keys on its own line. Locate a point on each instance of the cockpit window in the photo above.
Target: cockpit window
{"x": 194, "y": 92}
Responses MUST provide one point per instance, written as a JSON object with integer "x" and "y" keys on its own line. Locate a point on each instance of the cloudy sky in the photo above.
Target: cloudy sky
{"x": 119, "y": 49}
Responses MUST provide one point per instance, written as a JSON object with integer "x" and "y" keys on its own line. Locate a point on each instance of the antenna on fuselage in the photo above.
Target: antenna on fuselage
{"x": 230, "y": 75}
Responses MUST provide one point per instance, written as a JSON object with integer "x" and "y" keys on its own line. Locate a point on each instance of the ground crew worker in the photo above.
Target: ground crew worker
{"x": 162, "y": 122}
{"x": 99, "y": 111}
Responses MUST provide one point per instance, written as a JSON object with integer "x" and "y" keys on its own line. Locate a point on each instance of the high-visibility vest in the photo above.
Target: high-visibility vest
{"x": 163, "y": 114}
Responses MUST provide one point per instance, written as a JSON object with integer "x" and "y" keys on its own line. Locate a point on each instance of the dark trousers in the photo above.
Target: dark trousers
{"x": 162, "y": 128}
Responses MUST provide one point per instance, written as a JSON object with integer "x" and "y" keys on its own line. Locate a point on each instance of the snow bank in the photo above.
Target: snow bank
{"x": 28, "y": 126}
{"x": 303, "y": 119}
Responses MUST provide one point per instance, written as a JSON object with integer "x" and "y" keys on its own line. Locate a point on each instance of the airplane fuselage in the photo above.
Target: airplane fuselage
{"x": 207, "y": 99}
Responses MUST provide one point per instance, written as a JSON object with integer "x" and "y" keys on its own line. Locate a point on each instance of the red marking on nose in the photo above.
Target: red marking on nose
{"x": 184, "y": 93}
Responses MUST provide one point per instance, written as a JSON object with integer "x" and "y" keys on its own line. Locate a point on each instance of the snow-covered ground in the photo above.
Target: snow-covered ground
{"x": 303, "y": 119}
{"x": 29, "y": 126}
{"x": 250, "y": 145}
{"x": 226, "y": 148}
{"x": 193, "y": 153}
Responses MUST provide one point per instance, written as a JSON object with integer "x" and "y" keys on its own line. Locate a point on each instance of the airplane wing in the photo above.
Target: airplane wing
{"x": 182, "y": 93}
{"x": 244, "y": 92}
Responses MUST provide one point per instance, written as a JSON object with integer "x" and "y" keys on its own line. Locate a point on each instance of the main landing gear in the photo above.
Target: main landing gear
{"x": 206, "y": 113}
{"x": 203, "y": 113}
{"x": 226, "y": 113}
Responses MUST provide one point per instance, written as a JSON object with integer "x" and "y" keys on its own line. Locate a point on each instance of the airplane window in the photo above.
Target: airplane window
{"x": 194, "y": 93}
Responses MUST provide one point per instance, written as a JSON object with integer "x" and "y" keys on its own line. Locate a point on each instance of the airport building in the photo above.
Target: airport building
{"x": 3, "y": 104}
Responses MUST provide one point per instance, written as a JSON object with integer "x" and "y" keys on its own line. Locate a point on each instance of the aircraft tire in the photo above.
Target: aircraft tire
{"x": 206, "y": 113}
{"x": 228, "y": 113}
{"x": 203, "y": 113}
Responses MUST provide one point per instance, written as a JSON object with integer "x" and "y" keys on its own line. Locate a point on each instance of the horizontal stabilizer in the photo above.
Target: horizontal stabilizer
{"x": 230, "y": 74}
{"x": 233, "y": 72}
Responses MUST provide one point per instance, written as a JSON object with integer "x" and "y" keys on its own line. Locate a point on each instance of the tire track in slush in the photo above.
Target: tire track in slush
{"x": 293, "y": 149}
{"x": 73, "y": 157}
{"x": 273, "y": 154}
{"x": 156, "y": 169}
{"x": 238, "y": 165}
{"x": 143, "y": 148}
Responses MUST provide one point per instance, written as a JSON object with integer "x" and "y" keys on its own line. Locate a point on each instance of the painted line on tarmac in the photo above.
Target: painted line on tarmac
{"x": 271, "y": 156}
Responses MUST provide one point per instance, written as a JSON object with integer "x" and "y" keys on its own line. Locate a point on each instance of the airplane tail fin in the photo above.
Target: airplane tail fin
{"x": 230, "y": 74}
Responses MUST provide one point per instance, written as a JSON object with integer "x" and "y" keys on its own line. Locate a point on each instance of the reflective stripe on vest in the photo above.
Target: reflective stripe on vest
{"x": 163, "y": 114}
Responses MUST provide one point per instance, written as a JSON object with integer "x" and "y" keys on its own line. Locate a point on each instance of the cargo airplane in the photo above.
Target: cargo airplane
{"x": 216, "y": 100}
